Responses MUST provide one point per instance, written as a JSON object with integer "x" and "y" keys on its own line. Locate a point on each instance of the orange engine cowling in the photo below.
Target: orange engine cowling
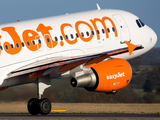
{"x": 110, "y": 75}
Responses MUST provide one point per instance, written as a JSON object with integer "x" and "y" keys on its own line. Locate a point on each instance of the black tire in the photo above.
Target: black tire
{"x": 44, "y": 106}
{"x": 33, "y": 107}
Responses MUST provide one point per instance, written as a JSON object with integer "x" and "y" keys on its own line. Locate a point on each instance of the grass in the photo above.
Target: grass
{"x": 142, "y": 90}
{"x": 21, "y": 107}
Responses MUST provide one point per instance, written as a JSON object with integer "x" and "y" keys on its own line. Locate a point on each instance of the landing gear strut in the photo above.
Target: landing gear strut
{"x": 40, "y": 105}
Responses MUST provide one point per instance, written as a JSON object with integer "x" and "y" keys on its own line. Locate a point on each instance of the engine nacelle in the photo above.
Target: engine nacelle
{"x": 107, "y": 76}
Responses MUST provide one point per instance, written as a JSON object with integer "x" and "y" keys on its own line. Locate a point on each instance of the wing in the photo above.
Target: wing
{"x": 60, "y": 65}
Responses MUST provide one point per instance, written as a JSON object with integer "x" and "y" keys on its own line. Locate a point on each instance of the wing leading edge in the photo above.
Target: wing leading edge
{"x": 68, "y": 64}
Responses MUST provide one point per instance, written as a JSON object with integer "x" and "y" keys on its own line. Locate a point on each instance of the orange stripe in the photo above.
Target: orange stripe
{"x": 36, "y": 74}
{"x": 95, "y": 61}
{"x": 58, "y": 110}
{"x": 119, "y": 51}
{"x": 71, "y": 66}
{"x": 3, "y": 88}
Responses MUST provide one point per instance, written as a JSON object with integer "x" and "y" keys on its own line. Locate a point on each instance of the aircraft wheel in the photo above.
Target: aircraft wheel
{"x": 32, "y": 106}
{"x": 44, "y": 106}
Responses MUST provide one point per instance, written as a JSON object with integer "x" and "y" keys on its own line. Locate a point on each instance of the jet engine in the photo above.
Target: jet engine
{"x": 107, "y": 76}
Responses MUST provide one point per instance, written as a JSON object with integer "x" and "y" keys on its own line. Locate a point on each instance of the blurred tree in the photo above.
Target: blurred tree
{"x": 147, "y": 86}
{"x": 136, "y": 63}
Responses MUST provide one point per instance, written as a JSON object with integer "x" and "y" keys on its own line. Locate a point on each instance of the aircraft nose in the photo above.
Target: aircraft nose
{"x": 153, "y": 37}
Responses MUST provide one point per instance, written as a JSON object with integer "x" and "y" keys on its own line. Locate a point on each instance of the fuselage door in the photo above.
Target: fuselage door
{"x": 123, "y": 28}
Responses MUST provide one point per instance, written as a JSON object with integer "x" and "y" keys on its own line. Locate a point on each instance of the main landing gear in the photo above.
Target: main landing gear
{"x": 40, "y": 105}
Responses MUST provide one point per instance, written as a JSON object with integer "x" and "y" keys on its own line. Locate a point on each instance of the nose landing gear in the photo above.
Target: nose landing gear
{"x": 40, "y": 105}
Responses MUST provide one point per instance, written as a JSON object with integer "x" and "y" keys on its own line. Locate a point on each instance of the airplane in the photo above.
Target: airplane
{"x": 91, "y": 48}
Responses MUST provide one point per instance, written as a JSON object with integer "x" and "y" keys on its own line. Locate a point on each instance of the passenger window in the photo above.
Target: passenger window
{"x": 39, "y": 41}
{"x": 33, "y": 42}
{"x": 72, "y": 36}
{"x": 113, "y": 29}
{"x": 17, "y": 45}
{"x": 87, "y": 33}
{"x": 61, "y": 37}
{"x": 77, "y": 35}
{"x": 108, "y": 30}
{"x": 66, "y": 37}
{"x": 48, "y": 40}
{"x": 28, "y": 43}
{"x": 92, "y": 32}
{"x": 82, "y": 34}
{"x": 12, "y": 46}
{"x": 103, "y": 31}
{"x": 1, "y": 47}
{"x": 56, "y": 39}
{"x": 97, "y": 31}
{"x": 22, "y": 44}
{"x": 6, "y": 46}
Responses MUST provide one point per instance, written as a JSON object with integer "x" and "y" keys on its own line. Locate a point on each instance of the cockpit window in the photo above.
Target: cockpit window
{"x": 140, "y": 23}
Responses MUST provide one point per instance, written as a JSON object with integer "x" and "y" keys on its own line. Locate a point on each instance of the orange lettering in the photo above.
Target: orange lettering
{"x": 63, "y": 34}
{"x": 61, "y": 43}
{"x": 83, "y": 38}
{"x": 46, "y": 34}
{"x": 28, "y": 37}
{"x": 16, "y": 39}
{"x": 103, "y": 23}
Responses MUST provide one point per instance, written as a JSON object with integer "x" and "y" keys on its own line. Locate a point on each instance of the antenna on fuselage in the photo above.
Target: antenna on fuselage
{"x": 98, "y": 7}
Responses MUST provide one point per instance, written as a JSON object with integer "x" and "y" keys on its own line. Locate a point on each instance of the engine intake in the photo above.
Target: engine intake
{"x": 87, "y": 80}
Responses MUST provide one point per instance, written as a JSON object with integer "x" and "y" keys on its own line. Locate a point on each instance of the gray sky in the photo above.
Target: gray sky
{"x": 12, "y": 10}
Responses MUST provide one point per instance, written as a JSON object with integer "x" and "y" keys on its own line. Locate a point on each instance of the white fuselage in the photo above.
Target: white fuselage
{"x": 38, "y": 42}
